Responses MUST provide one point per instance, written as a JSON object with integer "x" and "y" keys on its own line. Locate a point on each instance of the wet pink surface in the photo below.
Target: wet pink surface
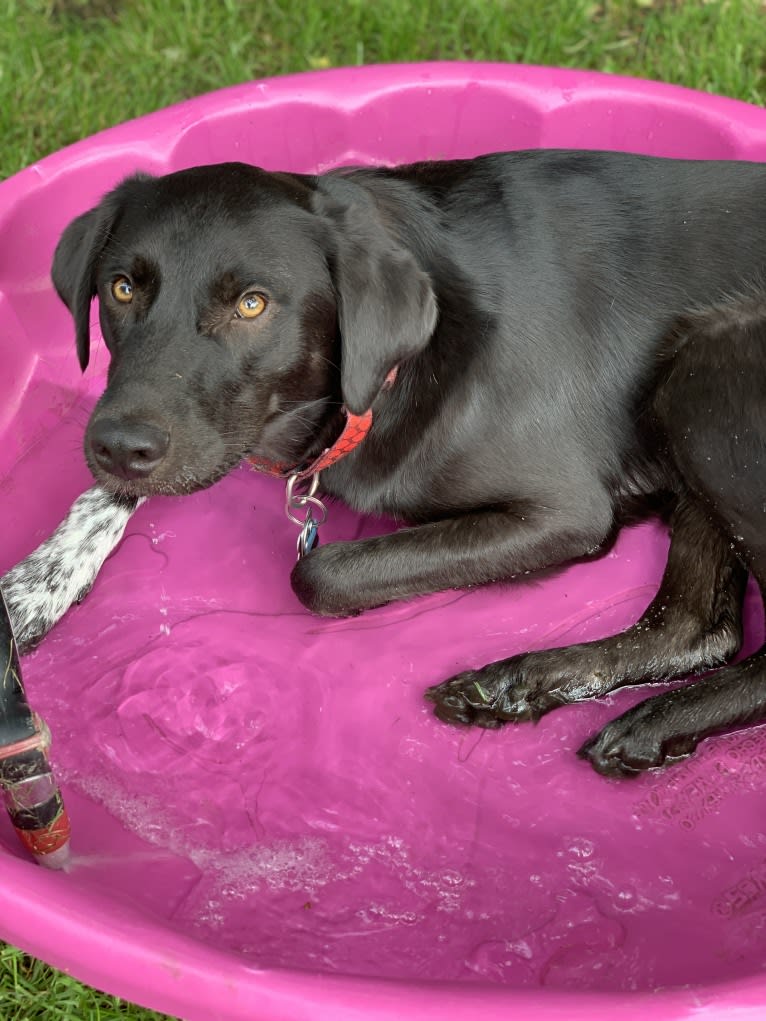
{"x": 268, "y": 821}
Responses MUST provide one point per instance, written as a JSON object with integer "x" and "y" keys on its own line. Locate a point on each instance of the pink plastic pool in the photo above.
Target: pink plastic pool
{"x": 268, "y": 821}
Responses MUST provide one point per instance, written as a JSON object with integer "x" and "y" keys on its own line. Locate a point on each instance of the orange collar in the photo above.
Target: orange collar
{"x": 354, "y": 431}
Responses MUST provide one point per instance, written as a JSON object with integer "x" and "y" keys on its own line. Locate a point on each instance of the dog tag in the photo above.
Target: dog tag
{"x": 306, "y": 502}
{"x": 309, "y": 537}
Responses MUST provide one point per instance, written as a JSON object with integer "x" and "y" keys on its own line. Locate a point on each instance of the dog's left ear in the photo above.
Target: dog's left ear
{"x": 386, "y": 306}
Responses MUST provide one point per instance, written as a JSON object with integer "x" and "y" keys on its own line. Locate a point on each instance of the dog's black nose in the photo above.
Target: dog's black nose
{"x": 129, "y": 450}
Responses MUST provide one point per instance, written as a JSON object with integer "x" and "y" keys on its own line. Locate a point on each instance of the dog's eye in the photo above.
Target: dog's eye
{"x": 250, "y": 305}
{"x": 122, "y": 289}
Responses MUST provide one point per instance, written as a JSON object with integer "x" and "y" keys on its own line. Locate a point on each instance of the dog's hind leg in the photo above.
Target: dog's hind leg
{"x": 41, "y": 588}
{"x": 669, "y": 727}
{"x": 712, "y": 405}
{"x": 693, "y": 624}
{"x": 709, "y": 407}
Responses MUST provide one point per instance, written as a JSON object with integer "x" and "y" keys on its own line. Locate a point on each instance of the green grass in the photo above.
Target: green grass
{"x": 71, "y": 67}
{"x": 31, "y": 991}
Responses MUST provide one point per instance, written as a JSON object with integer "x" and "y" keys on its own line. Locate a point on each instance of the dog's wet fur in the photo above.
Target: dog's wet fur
{"x": 580, "y": 342}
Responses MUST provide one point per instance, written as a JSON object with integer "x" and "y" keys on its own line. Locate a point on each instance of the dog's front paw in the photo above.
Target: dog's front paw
{"x": 634, "y": 742}
{"x": 321, "y": 581}
{"x": 503, "y": 692}
{"x": 464, "y": 700}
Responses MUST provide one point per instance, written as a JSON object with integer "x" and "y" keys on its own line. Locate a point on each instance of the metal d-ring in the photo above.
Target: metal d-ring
{"x": 298, "y": 501}
{"x": 309, "y": 503}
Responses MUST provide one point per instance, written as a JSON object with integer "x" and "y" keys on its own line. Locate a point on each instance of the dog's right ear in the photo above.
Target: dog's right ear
{"x": 77, "y": 254}
{"x": 74, "y": 266}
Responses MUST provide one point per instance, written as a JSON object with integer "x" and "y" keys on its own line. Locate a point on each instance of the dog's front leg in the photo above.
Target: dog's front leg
{"x": 344, "y": 578}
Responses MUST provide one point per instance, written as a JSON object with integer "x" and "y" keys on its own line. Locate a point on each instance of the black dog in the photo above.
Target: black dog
{"x": 579, "y": 340}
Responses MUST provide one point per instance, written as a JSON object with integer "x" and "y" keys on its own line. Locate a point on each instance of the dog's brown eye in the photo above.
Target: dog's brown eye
{"x": 122, "y": 289}
{"x": 250, "y": 305}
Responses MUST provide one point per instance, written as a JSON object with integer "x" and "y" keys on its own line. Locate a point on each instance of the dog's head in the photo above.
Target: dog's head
{"x": 240, "y": 309}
